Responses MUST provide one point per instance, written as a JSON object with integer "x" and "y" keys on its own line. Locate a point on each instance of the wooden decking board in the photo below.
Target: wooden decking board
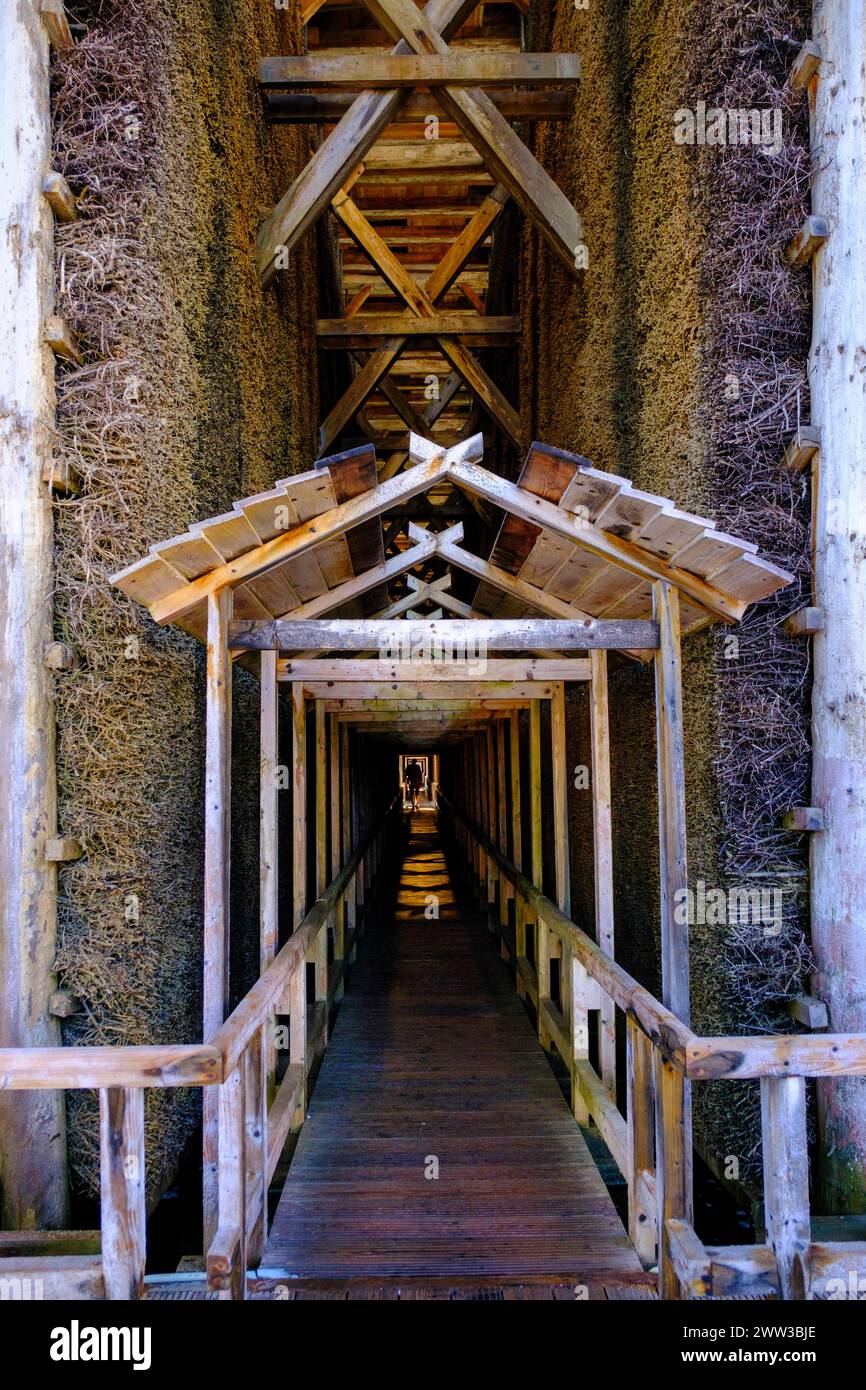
{"x": 432, "y": 1053}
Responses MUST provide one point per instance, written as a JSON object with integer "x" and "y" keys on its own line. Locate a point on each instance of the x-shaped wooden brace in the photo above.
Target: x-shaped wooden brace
{"x": 503, "y": 151}
{"x": 420, "y": 301}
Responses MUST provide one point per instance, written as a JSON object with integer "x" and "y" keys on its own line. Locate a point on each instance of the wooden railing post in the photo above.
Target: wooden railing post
{"x": 268, "y": 838}
{"x": 674, "y": 1127}
{"x": 602, "y": 850}
{"x": 490, "y": 826}
{"x": 542, "y": 936}
{"x": 502, "y": 818}
{"x": 517, "y": 840}
{"x": 298, "y": 1026}
{"x": 217, "y": 858}
{"x": 255, "y": 1142}
{"x": 673, "y": 1164}
{"x": 122, "y": 1190}
{"x": 227, "y": 1256}
{"x": 640, "y": 1112}
{"x": 786, "y": 1180}
{"x": 299, "y": 806}
{"x": 339, "y": 919}
{"x": 320, "y": 954}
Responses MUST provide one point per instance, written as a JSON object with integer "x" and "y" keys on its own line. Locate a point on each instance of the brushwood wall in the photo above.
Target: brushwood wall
{"x": 197, "y": 389}
{"x": 678, "y": 360}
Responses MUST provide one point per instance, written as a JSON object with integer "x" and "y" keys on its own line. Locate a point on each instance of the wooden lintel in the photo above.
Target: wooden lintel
{"x": 391, "y": 71}
{"x": 316, "y": 108}
{"x": 318, "y": 670}
{"x": 503, "y": 328}
{"x": 494, "y": 634}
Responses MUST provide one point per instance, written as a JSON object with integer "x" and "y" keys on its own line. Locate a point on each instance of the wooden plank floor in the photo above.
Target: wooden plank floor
{"x": 433, "y": 1064}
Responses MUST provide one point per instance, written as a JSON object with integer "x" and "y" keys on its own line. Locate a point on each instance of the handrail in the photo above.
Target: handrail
{"x": 253, "y": 1127}
{"x": 698, "y": 1058}
{"x": 651, "y": 1144}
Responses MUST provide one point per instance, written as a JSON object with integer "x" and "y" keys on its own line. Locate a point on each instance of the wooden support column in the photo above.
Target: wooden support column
{"x": 490, "y": 827}
{"x": 673, "y": 1100}
{"x": 269, "y": 836}
{"x": 838, "y": 405}
{"x": 516, "y": 838}
{"x": 640, "y": 1103}
{"x": 505, "y": 888}
{"x": 542, "y": 935}
{"x": 123, "y": 1213}
{"x": 599, "y": 732}
{"x": 299, "y": 808}
{"x": 786, "y": 1180}
{"x": 33, "y": 1190}
{"x": 334, "y": 785}
{"x": 346, "y": 828}
{"x": 320, "y": 954}
{"x": 217, "y": 868}
{"x": 255, "y": 1145}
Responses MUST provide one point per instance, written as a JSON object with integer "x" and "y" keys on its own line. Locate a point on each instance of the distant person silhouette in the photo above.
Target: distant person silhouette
{"x": 414, "y": 778}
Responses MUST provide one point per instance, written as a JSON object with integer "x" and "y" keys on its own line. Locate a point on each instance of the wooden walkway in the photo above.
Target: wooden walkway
{"x": 433, "y": 1064}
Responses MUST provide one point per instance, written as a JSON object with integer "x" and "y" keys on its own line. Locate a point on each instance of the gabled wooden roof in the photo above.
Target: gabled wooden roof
{"x": 573, "y": 541}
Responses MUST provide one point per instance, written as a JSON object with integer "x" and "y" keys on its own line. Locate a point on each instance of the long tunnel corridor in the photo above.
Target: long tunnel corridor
{"x": 438, "y": 1144}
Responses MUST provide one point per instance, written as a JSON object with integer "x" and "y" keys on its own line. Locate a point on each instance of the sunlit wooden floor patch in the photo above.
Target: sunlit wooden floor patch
{"x": 438, "y": 1143}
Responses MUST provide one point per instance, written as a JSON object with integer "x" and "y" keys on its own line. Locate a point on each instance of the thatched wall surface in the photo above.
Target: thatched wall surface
{"x": 197, "y": 390}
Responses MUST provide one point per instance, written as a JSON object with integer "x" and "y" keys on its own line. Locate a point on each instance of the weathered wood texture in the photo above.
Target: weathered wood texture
{"x": 432, "y": 1058}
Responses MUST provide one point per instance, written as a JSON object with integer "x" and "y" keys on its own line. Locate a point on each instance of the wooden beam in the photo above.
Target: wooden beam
{"x": 640, "y": 1115}
{"x": 299, "y": 806}
{"x": 393, "y": 672}
{"x": 317, "y": 108}
{"x": 602, "y": 839}
{"x": 626, "y": 554}
{"x": 299, "y": 540}
{"x": 502, "y": 329}
{"x": 389, "y": 71}
{"x": 123, "y": 1211}
{"x": 269, "y": 833}
{"x": 496, "y": 634}
{"x": 217, "y": 852}
{"x": 786, "y": 1181}
{"x": 504, "y": 152}
{"x": 341, "y": 152}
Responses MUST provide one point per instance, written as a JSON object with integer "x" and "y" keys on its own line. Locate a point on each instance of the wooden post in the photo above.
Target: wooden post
{"x": 321, "y": 949}
{"x": 268, "y": 835}
{"x": 490, "y": 826}
{"x": 217, "y": 865}
{"x": 673, "y": 1163}
{"x": 297, "y": 1003}
{"x": 786, "y": 1180}
{"x": 339, "y": 919}
{"x": 673, "y": 1100}
{"x": 346, "y": 827}
{"x": 838, "y": 409}
{"x": 123, "y": 1213}
{"x": 299, "y": 807}
{"x": 599, "y": 732}
{"x": 255, "y": 1142}
{"x": 640, "y": 1102}
{"x": 233, "y": 1185}
{"x": 516, "y": 839}
{"x": 505, "y": 890}
{"x": 670, "y": 757}
{"x": 33, "y": 1188}
{"x": 542, "y": 935}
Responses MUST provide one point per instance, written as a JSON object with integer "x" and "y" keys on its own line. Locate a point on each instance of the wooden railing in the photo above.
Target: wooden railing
{"x": 650, "y": 1143}
{"x": 258, "y": 1107}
